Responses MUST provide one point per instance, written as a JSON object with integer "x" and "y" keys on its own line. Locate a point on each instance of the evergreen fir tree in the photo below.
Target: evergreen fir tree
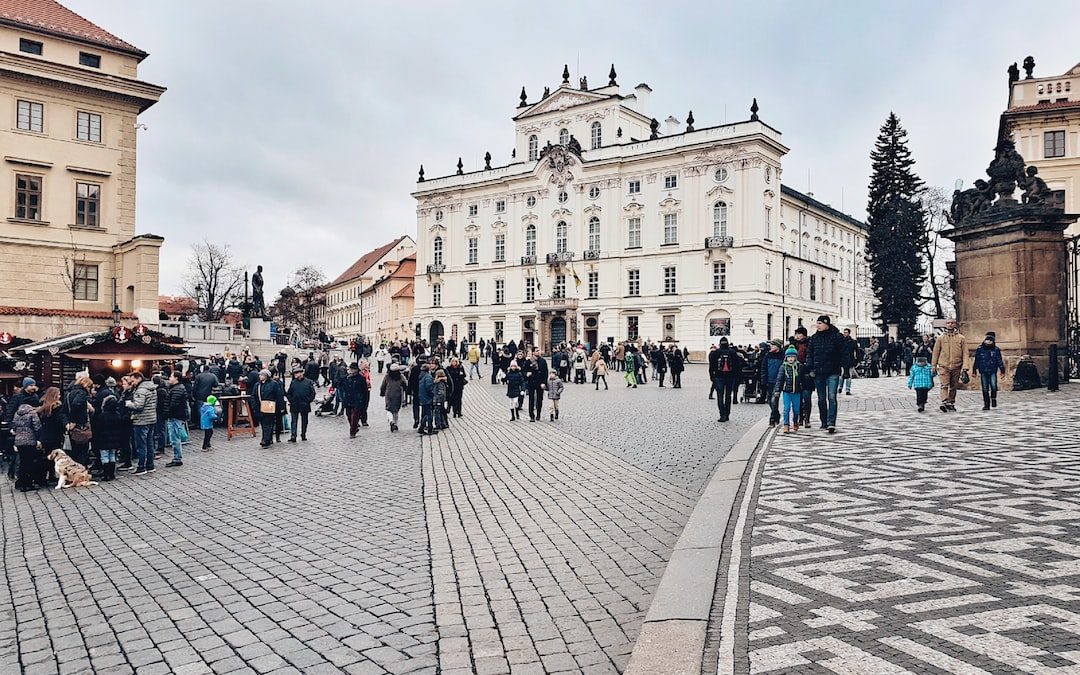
{"x": 895, "y": 220}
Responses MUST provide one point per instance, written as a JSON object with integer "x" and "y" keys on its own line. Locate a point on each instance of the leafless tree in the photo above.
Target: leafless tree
{"x": 937, "y": 300}
{"x": 297, "y": 304}
{"x": 75, "y": 271}
{"x": 213, "y": 279}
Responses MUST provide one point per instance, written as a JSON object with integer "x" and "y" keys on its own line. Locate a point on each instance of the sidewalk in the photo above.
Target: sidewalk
{"x": 911, "y": 543}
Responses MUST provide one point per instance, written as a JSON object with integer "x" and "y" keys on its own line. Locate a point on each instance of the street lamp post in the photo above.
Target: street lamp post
{"x": 198, "y": 295}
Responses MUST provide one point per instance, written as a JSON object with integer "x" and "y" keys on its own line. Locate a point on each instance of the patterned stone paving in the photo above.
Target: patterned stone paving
{"x": 920, "y": 543}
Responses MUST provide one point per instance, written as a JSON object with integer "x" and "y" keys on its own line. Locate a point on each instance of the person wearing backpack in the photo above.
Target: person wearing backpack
{"x": 725, "y": 369}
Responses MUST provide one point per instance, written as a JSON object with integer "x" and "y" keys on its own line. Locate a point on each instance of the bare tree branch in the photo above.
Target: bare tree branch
{"x": 938, "y": 301}
{"x": 213, "y": 279}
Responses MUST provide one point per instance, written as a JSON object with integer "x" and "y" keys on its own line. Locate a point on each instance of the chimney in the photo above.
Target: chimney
{"x": 641, "y": 93}
{"x": 674, "y": 126}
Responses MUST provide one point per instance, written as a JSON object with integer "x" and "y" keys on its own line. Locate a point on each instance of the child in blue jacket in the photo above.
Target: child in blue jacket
{"x": 988, "y": 363}
{"x": 789, "y": 385}
{"x": 207, "y": 416}
{"x": 921, "y": 380}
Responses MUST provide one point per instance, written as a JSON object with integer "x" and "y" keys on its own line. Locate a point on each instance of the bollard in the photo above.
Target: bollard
{"x": 1052, "y": 371}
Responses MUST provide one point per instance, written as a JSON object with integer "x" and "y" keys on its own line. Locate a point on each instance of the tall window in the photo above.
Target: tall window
{"x": 719, "y": 276}
{"x": 498, "y": 331}
{"x": 594, "y": 285}
{"x": 671, "y": 228}
{"x": 1054, "y": 144}
{"x": 633, "y": 282}
{"x": 530, "y": 240}
{"x": 500, "y": 291}
{"x": 768, "y": 222}
{"x": 768, "y": 326}
{"x": 832, "y": 290}
{"x": 86, "y": 282}
{"x": 472, "y": 292}
{"x": 813, "y": 287}
{"x": 436, "y": 295}
{"x": 28, "y": 197}
{"x": 560, "y": 285}
{"x": 719, "y": 219}
{"x": 88, "y": 127}
{"x": 594, "y": 234}
{"x": 633, "y": 233}
{"x": 471, "y": 331}
{"x": 801, "y": 291}
{"x": 596, "y": 135}
{"x": 530, "y": 289}
{"x": 500, "y": 248}
{"x": 534, "y": 148}
{"x": 564, "y": 136}
{"x": 437, "y": 250}
{"x": 670, "y": 287}
{"x": 87, "y": 203}
{"x": 560, "y": 237}
{"x": 31, "y": 116}
{"x": 768, "y": 275}
{"x": 631, "y": 328}
{"x": 474, "y": 250}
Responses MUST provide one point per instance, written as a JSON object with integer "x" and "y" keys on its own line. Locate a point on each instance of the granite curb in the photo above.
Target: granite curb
{"x": 672, "y": 639}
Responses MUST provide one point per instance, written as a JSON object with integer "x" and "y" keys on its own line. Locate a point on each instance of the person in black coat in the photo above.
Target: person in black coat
{"x": 824, "y": 359}
{"x": 456, "y": 374}
{"x": 675, "y": 364}
{"x": 77, "y": 403}
{"x": 355, "y": 396}
{"x": 300, "y": 394}
{"x": 266, "y": 391}
{"x": 414, "y": 390}
{"x": 311, "y": 370}
{"x": 536, "y": 377}
{"x": 725, "y": 369}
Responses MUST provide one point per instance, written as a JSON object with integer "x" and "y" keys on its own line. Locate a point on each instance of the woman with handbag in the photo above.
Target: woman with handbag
{"x": 79, "y": 411}
{"x": 267, "y": 402}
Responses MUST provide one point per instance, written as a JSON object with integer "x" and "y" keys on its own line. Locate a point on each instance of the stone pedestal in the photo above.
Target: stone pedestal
{"x": 1010, "y": 279}
{"x": 260, "y": 330}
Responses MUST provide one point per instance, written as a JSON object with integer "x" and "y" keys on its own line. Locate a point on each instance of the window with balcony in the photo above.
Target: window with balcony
{"x": 88, "y": 127}
{"x": 719, "y": 219}
{"x": 671, "y": 228}
{"x": 594, "y": 285}
{"x": 1053, "y": 144}
{"x": 500, "y": 248}
{"x": 472, "y": 292}
{"x": 633, "y": 282}
{"x": 594, "y": 234}
{"x": 719, "y": 276}
{"x": 87, "y": 204}
{"x": 632, "y": 328}
{"x": 534, "y": 148}
{"x": 530, "y": 241}
{"x": 560, "y": 286}
{"x": 500, "y": 291}
{"x": 436, "y": 295}
{"x": 30, "y": 116}
{"x": 27, "y": 197}
{"x": 633, "y": 233}
{"x": 474, "y": 250}
{"x": 670, "y": 286}
{"x": 561, "y": 238}
{"x": 596, "y": 135}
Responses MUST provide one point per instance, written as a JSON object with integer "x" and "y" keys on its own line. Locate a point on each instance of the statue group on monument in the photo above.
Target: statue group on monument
{"x": 1006, "y": 172}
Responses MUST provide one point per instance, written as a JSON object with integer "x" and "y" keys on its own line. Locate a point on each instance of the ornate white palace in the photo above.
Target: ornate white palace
{"x": 631, "y": 233}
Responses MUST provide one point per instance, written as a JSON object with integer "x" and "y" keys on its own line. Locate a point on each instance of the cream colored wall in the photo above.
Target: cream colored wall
{"x": 66, "y": 52}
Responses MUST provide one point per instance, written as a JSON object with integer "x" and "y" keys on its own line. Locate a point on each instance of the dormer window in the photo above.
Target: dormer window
{"x": 534, "y": 148}
{"x": 564, "y": 136}
{"x": 30, "y": 46}
{"x": 89, "y": 60}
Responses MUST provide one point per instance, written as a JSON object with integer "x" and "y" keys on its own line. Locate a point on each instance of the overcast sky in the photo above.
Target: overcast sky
{"x": 293, "y": 131}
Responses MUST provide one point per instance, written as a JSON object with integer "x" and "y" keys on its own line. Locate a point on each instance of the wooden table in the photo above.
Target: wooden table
{"x": 237, "y": 409}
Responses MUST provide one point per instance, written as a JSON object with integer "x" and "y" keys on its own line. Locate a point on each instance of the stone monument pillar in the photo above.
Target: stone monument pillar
{"x": 1010, "y": 262}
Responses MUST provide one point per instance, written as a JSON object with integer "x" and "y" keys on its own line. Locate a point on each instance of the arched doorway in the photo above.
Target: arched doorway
{"x": 435, "y": 331}
{"x": 558, "y": 331}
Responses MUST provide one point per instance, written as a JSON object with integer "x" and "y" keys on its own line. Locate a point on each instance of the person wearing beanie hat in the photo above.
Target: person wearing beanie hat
{"x": 824, "y": 361}
{"x": 725, "y": 370}
{"x": 207, "y": 416}
{"x": 28, "y": 382}
{"x": 788, "y": 387}
{"x": 921, "y": 379}
{"x": 851, "y": 359}
{"x": 988, "y": 363}
{"x": 768, "y": 371}
{"x": 27, "y": 395}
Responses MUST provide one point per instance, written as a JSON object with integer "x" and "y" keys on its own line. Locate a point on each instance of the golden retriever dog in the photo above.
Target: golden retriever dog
{"x": 70, "y": 472}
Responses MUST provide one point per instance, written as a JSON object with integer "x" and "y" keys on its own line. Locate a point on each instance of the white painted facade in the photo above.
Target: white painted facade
{"x": 678, "y": 237}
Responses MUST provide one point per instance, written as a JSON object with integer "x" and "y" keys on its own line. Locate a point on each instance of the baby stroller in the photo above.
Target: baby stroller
{"x": 324, "y": 404}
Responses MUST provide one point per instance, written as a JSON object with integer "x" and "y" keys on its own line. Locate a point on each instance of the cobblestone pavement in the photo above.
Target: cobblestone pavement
{"x": 918, "y": 543}
{"x": 307, "y": 558}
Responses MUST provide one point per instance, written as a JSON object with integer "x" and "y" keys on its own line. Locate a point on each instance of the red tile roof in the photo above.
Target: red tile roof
{"x": 406, "y": 292}
{"x": 45, "y": 311}
{"x": 358, "y": 268}
{"x": 1052, "y": 105}
{"x": 49, "y": 16}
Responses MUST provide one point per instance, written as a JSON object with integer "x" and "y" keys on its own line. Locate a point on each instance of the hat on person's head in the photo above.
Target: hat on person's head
{"x": 265, "y": 372}
{"x": 824, "y": 318}
{"x": 110, "y": 382}
{"x": 778, "y": 343}
{"x": 298, "y": 369}
{"x": 991, "y": 336}
{"x": 354, "y": 366}
{"x": 28, "y": 382}
{"x": 763, "y": 345}
{"x": 791, "y": 351}
{"x": 800, "y": 330}
{"x": 211, "y": 399}
{"x": 394, "y": 368}
{"x": 724, "y": 341}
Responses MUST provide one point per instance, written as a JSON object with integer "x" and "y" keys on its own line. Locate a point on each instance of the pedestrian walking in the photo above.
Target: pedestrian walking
{"x": 515, "y": 382}
{"x": 824, "y": 355}
{"x": 455, "y": 373}
{"x": 267, "y": 399}
{"x": 474, "y": 361}
{"x": 725, "y": 367}
{"x": 600, "y": 371}
{"x": 207, "y": 416}
{"x": 988, "y": 363}
{"x": 630, "y": 369}
{"x": 426, "y": 397}
{"x": 768, "y": 371}
{"x": 300, "y": 395}
{"x": 675, "y": 364}
{"x": 852, "y": 356}
{"x": 440, "y": 397}
{"x": 354, "y": 396}
{"x": 176, "y": 407}
{"x": 949, "y": 353}
{"x": 26, "y": 431}
{"x": 392, "y": 390}
{"x": 789, "y": 388}
{"x": 536, "y": 377}
{"x": 555, "y": 388}
{"x": 143, "y": 407}
{"x": 921, "y": 379}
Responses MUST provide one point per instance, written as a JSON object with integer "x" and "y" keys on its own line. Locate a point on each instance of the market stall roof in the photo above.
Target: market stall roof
{"x": 104, "y": 346}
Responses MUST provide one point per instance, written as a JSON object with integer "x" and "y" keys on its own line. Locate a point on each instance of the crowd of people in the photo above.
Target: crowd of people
{"x": 115, "y": 425}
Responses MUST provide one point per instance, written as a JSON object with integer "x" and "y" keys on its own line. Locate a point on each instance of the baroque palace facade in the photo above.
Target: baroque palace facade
{"x": 602, "y": 228}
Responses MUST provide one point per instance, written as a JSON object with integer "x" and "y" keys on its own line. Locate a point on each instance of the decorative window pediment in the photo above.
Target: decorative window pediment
{"x": 670, "y": 205}
{"x": 561, "y": 213}
{"x": 437, "y": 227}
{"x": 633, "y": 208}
{"x": 718, "y": 190}
{"x": 498, "y": 226}
{"x": 472, "y": 227}
{"x": 593, "y": 209}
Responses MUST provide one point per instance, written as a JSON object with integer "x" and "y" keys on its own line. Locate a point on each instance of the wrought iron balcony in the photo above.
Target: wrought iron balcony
{"x": 591, "y": 255}
{"x": 560, "y": 257}
{"x": 528, "y": 260}
{"x": 436, "y": 269}
{"x": 555, "y": 304}
{"x": 719, "y": 242}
